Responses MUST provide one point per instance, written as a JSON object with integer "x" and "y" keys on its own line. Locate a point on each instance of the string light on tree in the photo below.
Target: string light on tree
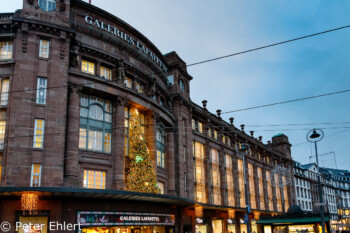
{"x": 141, "y": 177}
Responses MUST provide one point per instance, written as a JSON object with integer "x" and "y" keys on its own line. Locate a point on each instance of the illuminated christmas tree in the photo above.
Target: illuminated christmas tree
{"x": 141, "y": 177}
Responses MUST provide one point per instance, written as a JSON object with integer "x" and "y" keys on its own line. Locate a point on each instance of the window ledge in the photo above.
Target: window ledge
{"x": 7, "y": 61}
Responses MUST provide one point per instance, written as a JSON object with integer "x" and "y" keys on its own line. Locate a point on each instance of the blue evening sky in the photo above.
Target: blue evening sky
{"x": 199, "y": 30}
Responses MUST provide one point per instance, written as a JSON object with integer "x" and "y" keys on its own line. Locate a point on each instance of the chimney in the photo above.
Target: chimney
{"x": 218, "y": 112}
{"x": 204, "y": 102}
{"x": 252, "y": 133}
{"x": 231, "y": 120}
{"x": 242, "y": 127}
{"x": 260, "y": 138}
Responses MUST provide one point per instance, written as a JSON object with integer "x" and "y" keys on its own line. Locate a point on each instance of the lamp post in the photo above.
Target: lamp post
{"x": 244, "y": 149}
{"x": 316, "y": 135}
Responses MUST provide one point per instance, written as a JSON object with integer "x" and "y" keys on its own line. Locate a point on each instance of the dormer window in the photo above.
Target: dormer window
{"x": 182, "y": 85}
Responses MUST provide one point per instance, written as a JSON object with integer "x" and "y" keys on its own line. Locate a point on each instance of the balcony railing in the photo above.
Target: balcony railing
{"x": 5, "y": 16}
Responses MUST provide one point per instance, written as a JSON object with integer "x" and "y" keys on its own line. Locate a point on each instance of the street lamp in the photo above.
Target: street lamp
{"x": 316, "y": 135}
{"x": 244, "y": 149}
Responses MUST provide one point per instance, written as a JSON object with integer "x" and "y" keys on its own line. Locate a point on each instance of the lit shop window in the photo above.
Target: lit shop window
{"x": 4, "y": 91}
{"x": 95, "y": 124}
{"x": 2, "y": 134}
{"x": 44, "y": 48}
{"x": 241, "y": 183}
{"x": 6, "y": 50}
{"x": 35, "y": 179}
{"x": 105, "y": 73}
{"x": 278, "y": 193}
{"x": 128, "y": 82}
{"x": 94, "y": 179}
{"x": 0, "y": 172}
{"x": 251, "y": 186}
{"x": 200, "y": 189}
{"x": 215, "y": 172}
{"x": 261, "y": 189}
{"x": 88, "y": 67}
{"x": 160, "y": 147}
{"x": 285, "y": 194}
{"x": 39, "y": 133}
{"x": 229, "y": 181}
{"x": 41, "y": 91}
{"x": 269, "y": 191}
{"x": 128, "y": 112}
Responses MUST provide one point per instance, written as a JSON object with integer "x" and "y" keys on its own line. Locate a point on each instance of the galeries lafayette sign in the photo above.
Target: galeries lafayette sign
{"x": 126, "y": 37}
{"x": 88, "y": 218}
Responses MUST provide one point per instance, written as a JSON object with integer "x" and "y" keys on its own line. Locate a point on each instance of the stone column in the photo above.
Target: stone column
{"x": 170, "y": 162}
{"x": 119, "y": 143}
{"x": 71, "y": 165}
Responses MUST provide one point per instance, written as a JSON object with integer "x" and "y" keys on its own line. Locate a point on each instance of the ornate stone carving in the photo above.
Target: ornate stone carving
{"x": 121, "y": 101}
{"x": 74, "y": 54}
{"x": 121, "y": 72}
{"x": 153, "y": 87}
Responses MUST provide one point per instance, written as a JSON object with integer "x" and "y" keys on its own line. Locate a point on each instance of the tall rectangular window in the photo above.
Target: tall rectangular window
{"x": 200, "y": 127}
{"x": 269, "y": 191}
{"x": 241, "y": 183}
{"x": 38, "y": 133}
{"x": 261, "y": 189}
{"x": 105, "y": 73}
{"x": 161, "y": 187}
{"x": 41, "y": 91}
{"x": 215, "y": 172}
{"x": 0, "y": 172}
{"x": 193, "y": 124}
{"x": 44, "y": 48}
{"x": 160, "y": 135}
{"x": 251, "y": 186}
{"x": 200, "y": 179}
{"x": 128, "y": 113}
{"x": 215, "y": 134}
{"x": 2, "y": 134}
{"x": 278, "y": 193}
{"x": 88, "y": 67}
{"x": 6, "y": 50}
{"x": 285, "y": 194}
{"x": 128, "y": 82}
{"x": 35, "y": 179}
{"x": 139, "y": 87}
{"x": 5, "y": 83}
{"x": 209, "y": 132}
{"x": 94, "y": 179}
{"x": 229, "y": 181}
{"x": 95, "y": 124}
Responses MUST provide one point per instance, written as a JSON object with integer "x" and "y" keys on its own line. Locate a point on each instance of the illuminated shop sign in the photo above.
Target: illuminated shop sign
{"x": 124, "y": 218}
{"x": 126, "y": 37}
{"x": 231, "y": 221}
{"x": 199, "y": 220}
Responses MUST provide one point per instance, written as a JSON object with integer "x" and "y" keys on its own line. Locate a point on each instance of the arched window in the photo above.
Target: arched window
{"x": 95, "y": 124}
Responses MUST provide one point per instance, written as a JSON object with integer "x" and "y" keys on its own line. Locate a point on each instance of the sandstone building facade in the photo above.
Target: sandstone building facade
{"x": 72, "y": 75}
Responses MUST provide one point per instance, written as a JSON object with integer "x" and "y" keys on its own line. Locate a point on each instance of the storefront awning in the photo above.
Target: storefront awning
{"x": 292, "y": 220}
{"x": 49, "y": 192}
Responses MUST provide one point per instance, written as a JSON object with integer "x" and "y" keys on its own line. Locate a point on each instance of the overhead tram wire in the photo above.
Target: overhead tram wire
{"x": 268, "y": 46}
{"x": 288, "y": 101}
{"x": 200, "y": 62}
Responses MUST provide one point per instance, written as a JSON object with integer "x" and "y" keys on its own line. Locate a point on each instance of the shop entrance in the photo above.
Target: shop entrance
{"x": 217, "y": 226}
{"x": 128, "y": 229}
